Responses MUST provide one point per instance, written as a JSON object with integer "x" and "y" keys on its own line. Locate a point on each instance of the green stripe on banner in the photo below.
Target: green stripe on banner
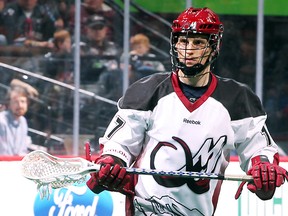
{"x": 277, "y": 201}
{"x": 225, "y": 7}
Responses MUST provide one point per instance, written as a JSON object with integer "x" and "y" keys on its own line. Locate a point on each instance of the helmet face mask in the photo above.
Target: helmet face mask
{"x": 193, "y": 22}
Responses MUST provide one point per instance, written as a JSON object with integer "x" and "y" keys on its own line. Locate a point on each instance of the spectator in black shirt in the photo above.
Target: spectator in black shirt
{"x": 27, "y": 20}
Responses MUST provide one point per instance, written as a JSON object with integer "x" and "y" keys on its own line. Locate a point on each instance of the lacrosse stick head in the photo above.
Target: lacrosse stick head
{"x": 50, "y": 172}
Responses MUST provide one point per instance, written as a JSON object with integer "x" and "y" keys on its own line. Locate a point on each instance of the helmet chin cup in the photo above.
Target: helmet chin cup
{"x": 192, "y": 71}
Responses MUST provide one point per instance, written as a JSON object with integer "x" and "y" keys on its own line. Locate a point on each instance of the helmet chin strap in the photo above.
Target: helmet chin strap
{"x": 195, "y": 69}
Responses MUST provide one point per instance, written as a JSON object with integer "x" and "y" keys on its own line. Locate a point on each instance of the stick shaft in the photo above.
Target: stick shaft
{"x": 186, "y": 174}
{"x": 189, "y": 174}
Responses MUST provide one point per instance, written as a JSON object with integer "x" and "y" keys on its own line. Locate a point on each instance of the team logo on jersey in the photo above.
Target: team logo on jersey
{"x": 175, "y": 207}
{"x": 205, "y": 160}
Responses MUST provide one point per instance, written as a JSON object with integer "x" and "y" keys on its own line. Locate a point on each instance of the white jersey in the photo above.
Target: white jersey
{"x": 157, "y": 127}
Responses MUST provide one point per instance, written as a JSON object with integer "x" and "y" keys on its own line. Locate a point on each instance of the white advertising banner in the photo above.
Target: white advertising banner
{"x": 248, "y": 203}
{"x": 19, "y": 196}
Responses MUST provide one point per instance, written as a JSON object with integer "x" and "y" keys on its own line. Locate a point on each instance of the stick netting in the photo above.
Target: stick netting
{"x": 44, "y": 169}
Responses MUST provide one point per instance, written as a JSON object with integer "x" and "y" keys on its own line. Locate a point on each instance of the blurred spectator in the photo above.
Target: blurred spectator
{"x": 14, "y": 139}
{"x": 62, "y": 42}
{"x": 277, "y": 65}
{"x": 283, "y": 105}
{"x": 110, "y": 85}
{"x": 272, "y": 108}
{"x": 100, "y": 54}
{"x": 142, "y": 62}
{"x": 33, "y": 93}
{"x": 26, "y": 20}
{"x": 90, "y": 8}
{"x": 58, "y": 63}
{"x": 247, "y": 62}
{"x": 96, "y": 37}
{"x": 50, "y": 7}
{"x": 3, "y": 40}
{"x": 276, "y": 89}
{"x": 2, "y": 4}
{"x": 64, "y": 7}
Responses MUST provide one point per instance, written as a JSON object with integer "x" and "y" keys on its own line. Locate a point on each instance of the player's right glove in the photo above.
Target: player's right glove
{"x": 112, "y": 176}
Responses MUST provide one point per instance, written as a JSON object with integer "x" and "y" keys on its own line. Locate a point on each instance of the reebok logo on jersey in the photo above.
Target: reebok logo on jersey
{"x": 191, "y": 121}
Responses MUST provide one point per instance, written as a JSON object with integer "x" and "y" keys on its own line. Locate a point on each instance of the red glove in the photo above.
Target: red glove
{"x": 111, "y": 176}
{"x": 266, "y": 178}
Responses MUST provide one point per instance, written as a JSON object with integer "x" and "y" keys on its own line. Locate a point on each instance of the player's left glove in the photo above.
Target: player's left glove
{"x": 266, "y": 177}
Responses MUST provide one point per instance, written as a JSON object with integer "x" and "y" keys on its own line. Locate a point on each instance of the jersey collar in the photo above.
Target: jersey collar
{"x": 193, "y": 106}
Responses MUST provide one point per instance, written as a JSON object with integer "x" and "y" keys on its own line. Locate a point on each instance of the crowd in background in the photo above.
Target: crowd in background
{"x": 45, "y": 30}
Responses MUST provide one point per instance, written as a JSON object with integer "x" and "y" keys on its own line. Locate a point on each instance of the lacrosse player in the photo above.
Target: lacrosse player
{"x": 189, "y": 120}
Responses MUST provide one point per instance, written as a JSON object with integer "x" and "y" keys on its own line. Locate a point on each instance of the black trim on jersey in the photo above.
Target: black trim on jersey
{"x": 240, "y": 101}
{"x": 145, "y": 93}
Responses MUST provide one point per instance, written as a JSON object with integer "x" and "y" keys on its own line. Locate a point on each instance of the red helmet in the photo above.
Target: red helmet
{"x": 197, "y": 21}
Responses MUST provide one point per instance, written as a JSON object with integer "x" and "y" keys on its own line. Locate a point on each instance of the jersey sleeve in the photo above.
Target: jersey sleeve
{"x": 252, "y": 137}
{"x": 125, "y": 133}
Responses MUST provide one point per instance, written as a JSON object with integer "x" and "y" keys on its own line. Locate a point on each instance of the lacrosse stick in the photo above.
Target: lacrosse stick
{"x": 48, "y": 171}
